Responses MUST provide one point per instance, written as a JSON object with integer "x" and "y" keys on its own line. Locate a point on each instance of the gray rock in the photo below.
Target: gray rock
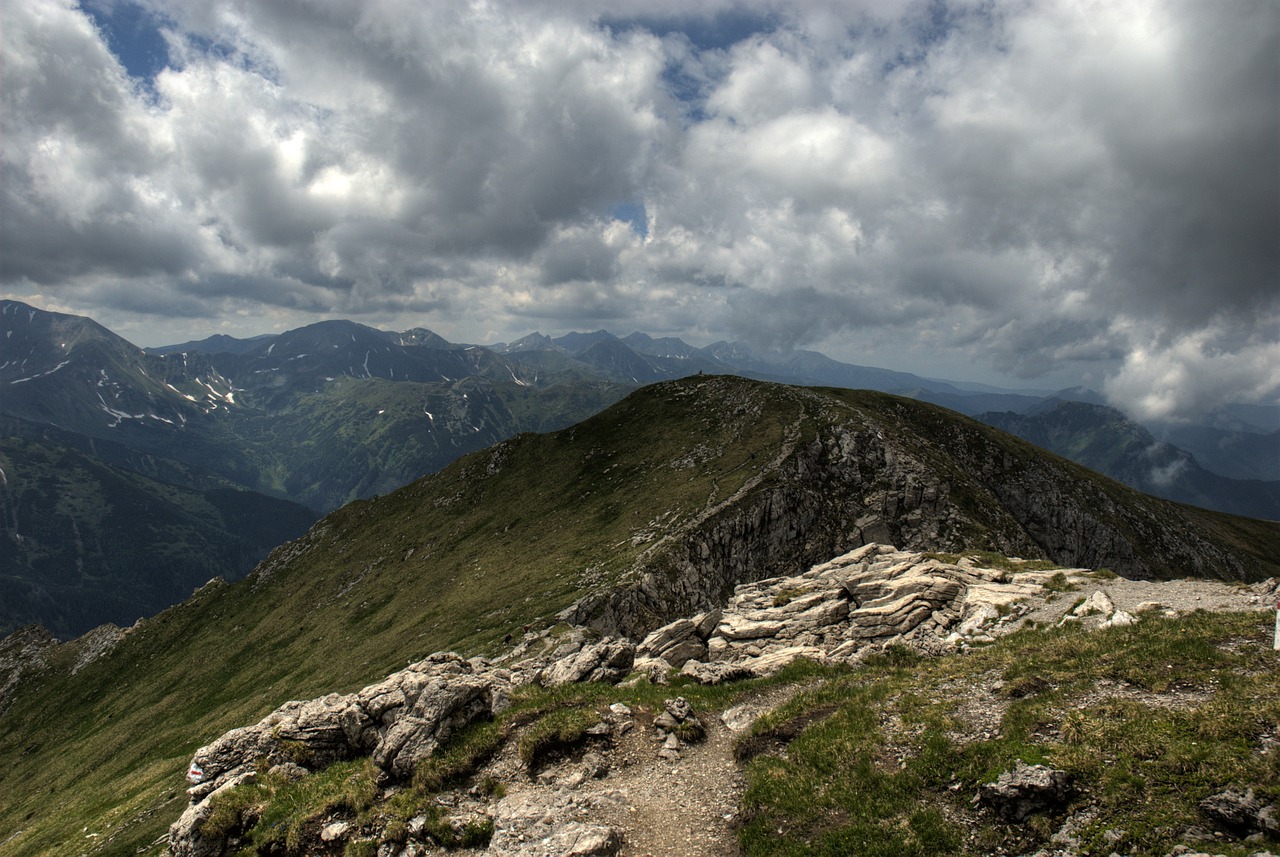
{"x": 1097, "y": 603}
{"x": 654, "y": 669}
{"x": 704, "y": 624}
{"x": 576, "y": 839}
{"x": 740, "y": 717}
{"x": 679, "y": 708}
{"x": 716, "y": 673}
{"x": 608, "y": 660}
{"x": 334, "y": 832}
{"x": 1241, "y": 813}
{"x": 1026, "y": 790}
{"x": 734, "y": 627}
{"x": 185, "y": 839}
{"x": 690, "y": 648}
{"x": 978, "y": 617}
{"x": 665, "y": 637}
{"x": 540, "y": 825}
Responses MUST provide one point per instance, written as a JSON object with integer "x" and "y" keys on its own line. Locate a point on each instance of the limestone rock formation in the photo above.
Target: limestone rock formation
{"x": 838, "y": 611}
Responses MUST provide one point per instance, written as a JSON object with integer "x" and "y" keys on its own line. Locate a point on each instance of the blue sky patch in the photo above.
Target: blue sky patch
{"x": 633, "y": 213}
{"x": 133, "y": 35}
{"x": 716, "y": 32}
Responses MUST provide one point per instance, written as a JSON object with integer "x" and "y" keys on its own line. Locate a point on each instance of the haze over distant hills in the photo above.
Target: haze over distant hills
{"x": 338, "y": 411}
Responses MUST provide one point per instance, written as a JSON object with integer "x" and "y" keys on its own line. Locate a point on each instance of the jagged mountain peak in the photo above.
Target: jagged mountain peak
{"x": 666, "y": 346}
{"x": 533, "y": 342}
{"x": 420, "y": 336}
{"x": 575, "y": 342}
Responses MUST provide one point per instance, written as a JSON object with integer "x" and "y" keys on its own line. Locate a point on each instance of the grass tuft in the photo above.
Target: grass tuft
{"x": 1147, "y": 720}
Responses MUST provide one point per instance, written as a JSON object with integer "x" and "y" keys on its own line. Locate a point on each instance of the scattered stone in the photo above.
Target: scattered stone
{"x": 1241, "y": 813}
{"x": 1026, "y": 790}
{"x": 665, "y": 722}
{"x": 740, "y": 717}
{"x": 554, "y": 822}
{"x": 1099, "y": 602}
{"x": 1119, "y": 619}
{"x": 334, "y": 832}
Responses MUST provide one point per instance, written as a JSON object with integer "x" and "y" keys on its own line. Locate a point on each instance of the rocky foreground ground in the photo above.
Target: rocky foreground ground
{"x": 667, "y": 779}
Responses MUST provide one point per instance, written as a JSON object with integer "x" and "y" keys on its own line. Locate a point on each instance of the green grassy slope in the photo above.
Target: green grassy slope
{"x": 496, "y": 541}
{"x": 1146, "y": 720}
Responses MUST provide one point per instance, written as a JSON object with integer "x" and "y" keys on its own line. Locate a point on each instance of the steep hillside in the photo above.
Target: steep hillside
{"x": 651, "y": 510}
{"x": 1237, "y": 453}
{"x": 1103, "y": 439}
{"x": 83, "y": 543}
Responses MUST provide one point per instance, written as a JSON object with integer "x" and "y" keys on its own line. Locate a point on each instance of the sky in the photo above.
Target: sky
{"x": 1027, "y": 192}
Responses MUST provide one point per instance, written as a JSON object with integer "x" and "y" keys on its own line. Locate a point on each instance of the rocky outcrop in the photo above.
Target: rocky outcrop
{"x": 1026, "y": 790}
{"x": 870, "y": 596}
{"x": 838, "y": 611}
{"x": 934, "y": 482}
{"x": 24, "y": 651}
{"x": 1241, "y": 813}
{"x": 397, "y": 722}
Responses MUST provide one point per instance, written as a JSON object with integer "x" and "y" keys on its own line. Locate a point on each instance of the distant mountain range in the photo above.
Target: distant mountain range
{"x": 337, "y": 411}
{"x": 1103, "y": 439}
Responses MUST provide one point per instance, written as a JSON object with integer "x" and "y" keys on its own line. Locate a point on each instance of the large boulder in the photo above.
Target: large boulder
{"x": 608, "y": 660}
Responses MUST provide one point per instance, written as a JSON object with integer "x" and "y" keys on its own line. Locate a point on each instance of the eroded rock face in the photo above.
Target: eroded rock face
{"x": 25, "y": 650}
{"x": 397, "y": 722}
{"x": 1241, "y": 813}
{"x": 608, "y": 660}
{"x": 869, "y": 597}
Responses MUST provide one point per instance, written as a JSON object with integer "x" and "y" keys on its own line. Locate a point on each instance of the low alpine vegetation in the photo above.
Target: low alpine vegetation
{"x": 1146, "y": 721}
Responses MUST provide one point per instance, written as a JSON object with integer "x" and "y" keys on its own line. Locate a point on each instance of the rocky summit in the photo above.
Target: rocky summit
{"x": 594, "y": 795}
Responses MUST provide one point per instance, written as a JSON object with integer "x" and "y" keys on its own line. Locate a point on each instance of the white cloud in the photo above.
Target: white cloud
{"x": 1056, "y": 190}
{"x": 1196, "y": 372}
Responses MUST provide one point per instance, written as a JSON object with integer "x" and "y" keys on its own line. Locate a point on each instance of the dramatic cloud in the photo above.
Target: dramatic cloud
{"x": 1068, "y": 192}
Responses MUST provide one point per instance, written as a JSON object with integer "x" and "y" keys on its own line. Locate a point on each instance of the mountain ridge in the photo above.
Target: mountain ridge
{"x": 1103, "y": 439}
{"x": 619, "y": 523}
{"x": 339, "y": 411}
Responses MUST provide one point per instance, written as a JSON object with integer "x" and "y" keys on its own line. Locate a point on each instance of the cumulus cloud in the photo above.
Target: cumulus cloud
{"x": 1196, "y": 372}
{"x": 1057, "y": 191}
